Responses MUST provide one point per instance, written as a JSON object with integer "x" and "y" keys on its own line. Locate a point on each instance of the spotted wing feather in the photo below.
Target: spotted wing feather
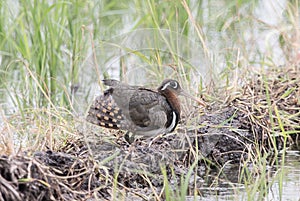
{"x": 105, "y": 112}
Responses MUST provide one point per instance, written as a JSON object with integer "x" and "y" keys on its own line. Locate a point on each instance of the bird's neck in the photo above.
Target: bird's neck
{"x": 173, "y": 100}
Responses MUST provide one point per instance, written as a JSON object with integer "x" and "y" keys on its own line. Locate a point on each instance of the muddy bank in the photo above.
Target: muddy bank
{"x": 102, "y": 166}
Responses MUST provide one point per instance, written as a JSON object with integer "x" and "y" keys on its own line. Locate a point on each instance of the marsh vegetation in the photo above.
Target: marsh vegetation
{"x": 241, "y": 57}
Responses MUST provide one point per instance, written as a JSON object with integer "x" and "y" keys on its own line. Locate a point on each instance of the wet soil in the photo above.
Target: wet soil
{"x": 103, "y": 166}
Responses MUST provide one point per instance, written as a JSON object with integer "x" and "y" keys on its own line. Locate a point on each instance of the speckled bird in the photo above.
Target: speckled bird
{"x": 141, "y": 111}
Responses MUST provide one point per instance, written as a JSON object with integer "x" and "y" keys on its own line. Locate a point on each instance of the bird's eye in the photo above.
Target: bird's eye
{"x": 173, "y": 84}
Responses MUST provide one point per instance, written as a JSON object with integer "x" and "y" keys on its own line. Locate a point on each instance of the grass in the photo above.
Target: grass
{"x": 52, "y": 53}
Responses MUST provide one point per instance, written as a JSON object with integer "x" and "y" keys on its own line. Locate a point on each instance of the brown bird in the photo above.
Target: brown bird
{"x": 141, "y": 111}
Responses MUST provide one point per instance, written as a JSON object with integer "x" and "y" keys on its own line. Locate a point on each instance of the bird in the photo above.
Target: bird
{"x": 143, "y": 112}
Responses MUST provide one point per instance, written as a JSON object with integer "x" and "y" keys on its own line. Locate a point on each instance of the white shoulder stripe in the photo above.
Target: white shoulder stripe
{"x": 173, "y": 124}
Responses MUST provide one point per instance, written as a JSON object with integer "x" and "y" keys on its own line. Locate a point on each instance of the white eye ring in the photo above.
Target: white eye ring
{"x": 173, "y": 84}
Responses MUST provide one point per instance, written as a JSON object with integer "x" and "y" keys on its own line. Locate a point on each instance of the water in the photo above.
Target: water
{"x": 291, "y": 179}
{"x": 233, "y": 191}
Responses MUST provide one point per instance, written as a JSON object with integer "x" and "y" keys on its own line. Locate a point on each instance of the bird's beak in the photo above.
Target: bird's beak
{"x": 183, "y": 93}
